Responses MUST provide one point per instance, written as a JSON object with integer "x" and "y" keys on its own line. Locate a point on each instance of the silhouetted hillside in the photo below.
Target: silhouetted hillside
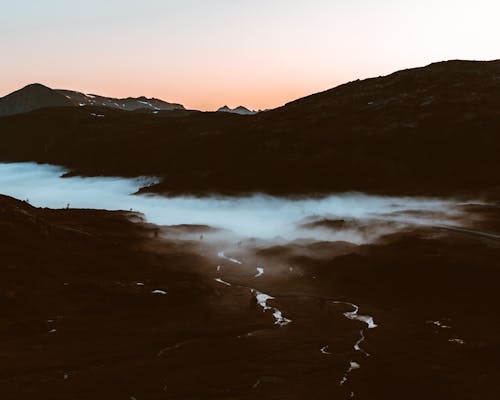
{"x": 432, "y": 130}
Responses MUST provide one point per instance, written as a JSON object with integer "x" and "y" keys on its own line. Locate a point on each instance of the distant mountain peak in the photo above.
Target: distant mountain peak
{"x": 35, "y": 86}
{"x": 238, "y": 110}
{"x": 31, "y": 97}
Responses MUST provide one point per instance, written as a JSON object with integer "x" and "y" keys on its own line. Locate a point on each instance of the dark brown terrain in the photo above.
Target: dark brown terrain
{"x": 432, "y": 130}
{"x": 102, "y": 305}
{"x": 80, "y": 319}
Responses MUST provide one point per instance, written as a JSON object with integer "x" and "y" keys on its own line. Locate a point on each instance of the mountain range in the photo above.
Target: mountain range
{"x": 433, "y": 130}
{"x": 37, "y": 96}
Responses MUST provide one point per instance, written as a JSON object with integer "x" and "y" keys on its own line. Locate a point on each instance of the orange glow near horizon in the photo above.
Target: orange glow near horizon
{"x": 259, "y": 54}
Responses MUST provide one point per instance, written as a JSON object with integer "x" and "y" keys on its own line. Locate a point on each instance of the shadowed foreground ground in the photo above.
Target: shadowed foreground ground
{"x": 94, "y": 305}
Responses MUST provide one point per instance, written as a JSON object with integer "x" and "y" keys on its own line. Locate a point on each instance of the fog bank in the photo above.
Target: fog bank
{"x": 257, "y": 216}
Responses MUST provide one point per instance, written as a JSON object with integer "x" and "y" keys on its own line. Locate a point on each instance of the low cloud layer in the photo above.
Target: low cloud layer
{"x": 256, "y": 216}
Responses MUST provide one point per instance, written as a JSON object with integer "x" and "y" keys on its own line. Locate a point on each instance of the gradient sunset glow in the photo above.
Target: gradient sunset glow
{"x": 260, "y": 53}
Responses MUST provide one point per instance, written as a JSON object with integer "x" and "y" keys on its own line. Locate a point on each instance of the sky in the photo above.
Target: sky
{"x": 208, "y": 53}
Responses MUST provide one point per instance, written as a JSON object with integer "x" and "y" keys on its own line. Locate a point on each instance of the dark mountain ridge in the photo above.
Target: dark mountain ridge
{"x": 423, "y": 131}
{"x": 37, "y": 96}
{"x": 127, "y": 104}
